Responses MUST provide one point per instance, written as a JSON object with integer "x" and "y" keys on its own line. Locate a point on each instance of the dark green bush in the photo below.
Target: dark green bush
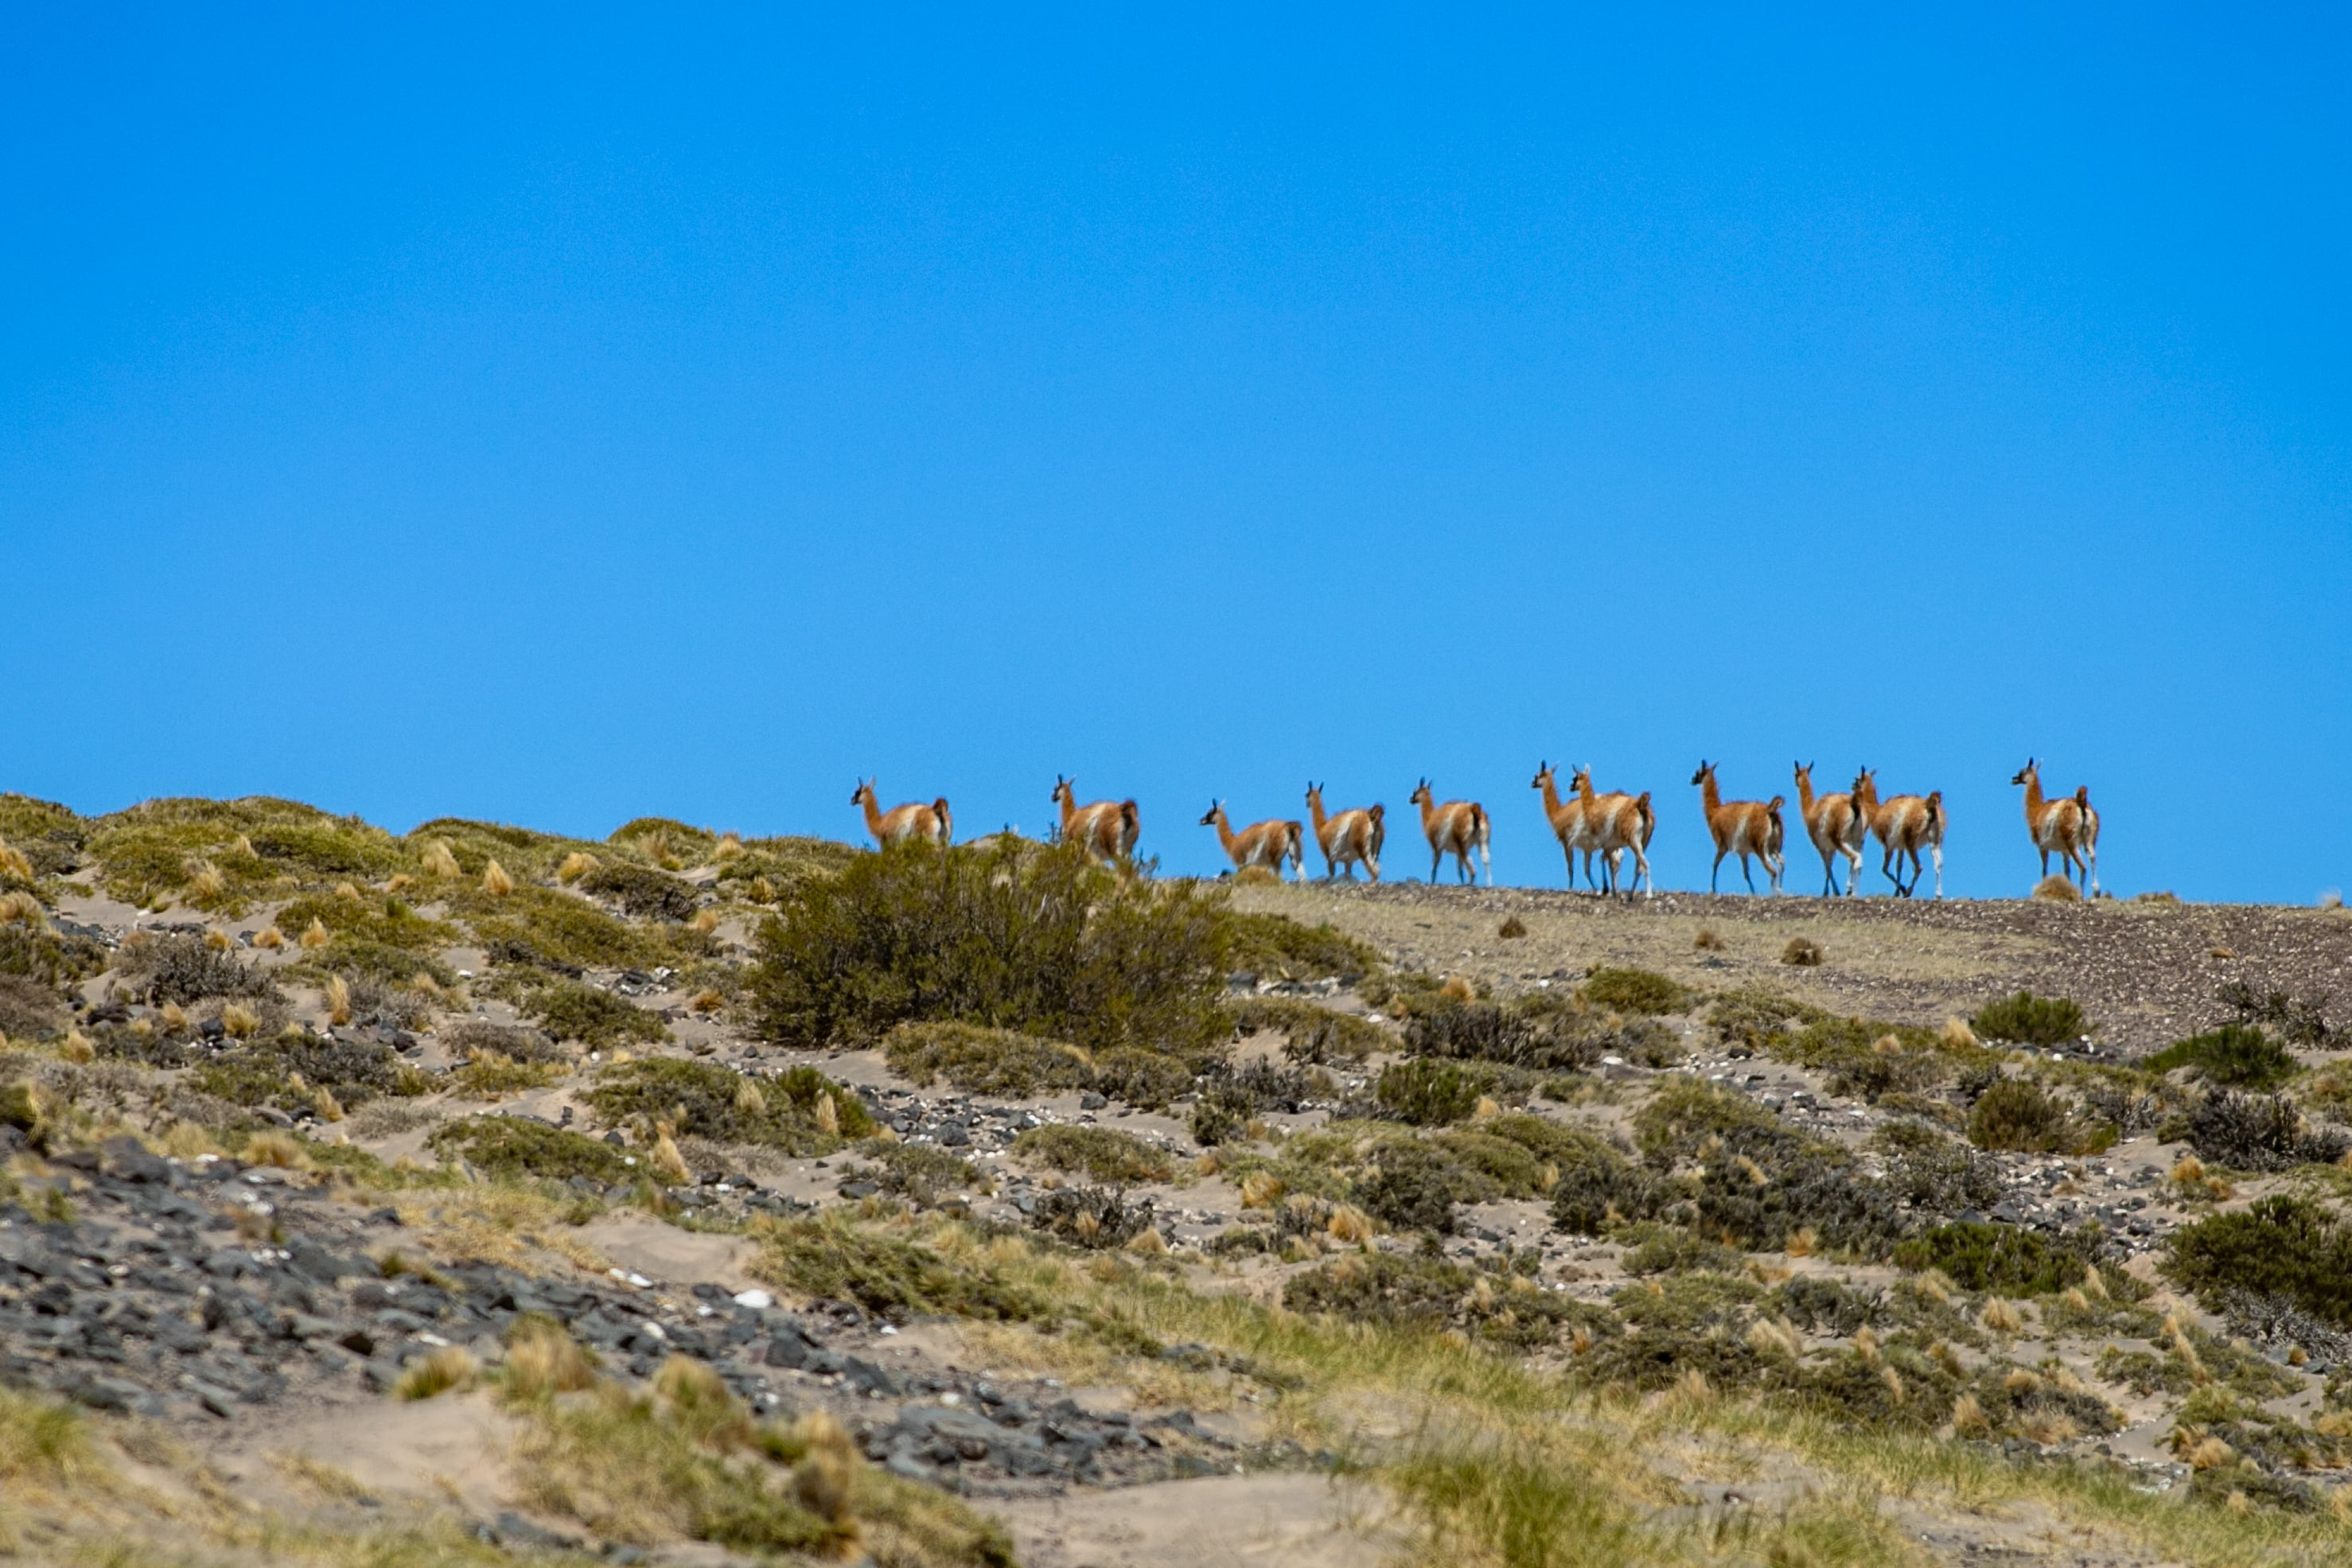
{"x": 1430, "y": 1093}
{"x": 1670, "y": 1249}
{"x": 1276, "y": 948}
{"x": 183, "y": 969}
{"x": 381, "y": 921}
{"x": 1407, "y": 1292}
{"x": 1935, "y": 1173}
{"x": 46, "y": 956}
{"x": 1092, "y": 1217}
{"x": 1752, "y": 1018}
{"x": 2020, "y": 1116}
{"x": 1636, "y": 991}
{"x": 1999, "y": 1258}
{"x": 980, "y": 1061}
{"x": 1541, "y": 1034}
{"x": 2261, "y": 1132}
{"x": 894, "y": 1278}
{"x": 30, "y": 1010}
{"x": 644, "y": 893}
{"x": 1033, "y": 938}
{"x": 921, "y": 1173}
{"x": 520, "y": 1146}
{"x": 1104, "y": 1154}
{"x": 1311, "y": 1033}
{"x": 569, "y": 1009}
{"x": 704, "y": 1100}
{"x": 287, "y": 1070}
{"x": 1755, "y": 1181}
{"x": 544, "y": 926}
{"x": 2238, "y": 1056}
{"x": 2285, "y": 1247}
{"x": 51, "y": 836}
{"x": 2303, "y": 1019}
{"x": 1411, "y": 1189}
{"x": 1146, "y": 1079}
{"x": 2028, "y": 1019}
{"x": 1220, "y": 1115}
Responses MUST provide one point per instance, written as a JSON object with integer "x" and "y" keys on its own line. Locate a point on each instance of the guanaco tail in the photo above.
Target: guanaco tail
{"x": 903, "y": 824}
{"x": 1349, "y": 838}
{"x": 1457, "y": 828}
{"x": 1741, "y": 828}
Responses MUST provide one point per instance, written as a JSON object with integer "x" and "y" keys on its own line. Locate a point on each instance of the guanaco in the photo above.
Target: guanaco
{"x": 1267, "y": 843}
{"x": 1741, "y": 828}
{"x": 1350, "y": 838}
{"x": 1567, "y": 820}
{"x": 1835, "y": 828}
{"x": 1455, "y": 828}
{"x": 2058, "y": 825}
{"x": 1615, "y": 823}
{"x": 903, "y": 824}
{"x": 1902, "y": 824}
{"x": 1106, "y": 831}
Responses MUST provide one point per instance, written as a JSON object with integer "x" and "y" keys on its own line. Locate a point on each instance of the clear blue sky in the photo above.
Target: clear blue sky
{"x": 556, "y": 418}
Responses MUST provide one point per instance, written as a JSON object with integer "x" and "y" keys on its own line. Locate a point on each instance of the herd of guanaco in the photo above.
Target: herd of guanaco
{"x": 1585, "y": 822}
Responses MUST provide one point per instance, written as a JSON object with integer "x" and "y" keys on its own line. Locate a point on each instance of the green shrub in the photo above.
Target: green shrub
{"x": 1636, "y": 991}
{"x": 704, "y": 1100}
{"x": 543, "y": 926}
{"x": 51, "y": 836}
{"x": 922, "y": 1173}
{"x": 1752, "y": 1180}
{"x": 644, "y": 893}
{"x": 569, "y": 1009}
{"x": 1430, "y": 1093}
{"x": 1145, "y": 1078}
{"x": 895, "y": 1277}
{"x": 1092, "y": 1217}
{"x": 183, "y": 969}
{"x": 1669, "y": 1250}
{"x": 1103, "y": 1155}
{"x": 995, "y": 1061}
{"x": 1276, "y": 948}
{"x": 2303, "y": 1019}
{"x": 1752, "y": 1018}
{"x": 1033, "y": 938}
{"x": 1935, "y": 1173}
{"x": 1405, "y": 1292}
{"x": 520, "y": 1146}
{"x": 2001, "y": 1259}
{"x": 2283, "y": 1246}
{"x": 1220, "y": 1115}
{"x": 2028, "y": 1019}
{"x": 288, "y": 1069}
{"x": 1411, "y": 1188}
{"x": 663, "y": 839}
{"x": 2239, "y": 1056}
{"x": 2261, "y": 1132}
{"x": 1311, "y": 1033}
{"x": 2020, "y": 1116}
{"x": 491, "y": 1076}
{"x": 49, "y": 959}
{"x": 379, "y": 921}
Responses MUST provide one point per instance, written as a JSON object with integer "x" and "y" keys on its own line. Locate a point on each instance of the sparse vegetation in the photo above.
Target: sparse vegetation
{"x": 1636, "y": 991}
{"x": 2028, "y": 1019}
{"x": 2021, "y": 1117}
{"x": 2236, "y": 1056}
{"x": 523, "y": 1146}
{"x": 1311, "y": 1033}
{"x": 1276, "y": 948}
{"x": 704, "y": 1100}
{"x": 1103, "y": 1155}
{"x": 2283, "y": 1247}
{"x": 2001, "y": 1259}
{"x": 981, "y": 1061}
{"x": 569, "y": 1009}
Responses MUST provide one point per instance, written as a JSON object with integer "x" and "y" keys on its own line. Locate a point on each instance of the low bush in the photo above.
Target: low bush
{"x": 646, "y": 893}
{"x": 2020, "y": 1116}
{"x": 1935, "y": 1173}
{"x": 183, "y": 969}
{"x": 895, "y": 1277}
{"x": 473, "y": 1036}
{"x": 1411, "y": 1188}
{"x": 1402, "y": 1291}
{"x": 45, "y": 955}
{"x": 545, "y": 927}
{"x": 1103, "y": 1155}
{"x": 491, "y": 1076}
{"x": 2261, "y": 1132}
{"x": 2002, "y": 1260}
{"x": 922, "y": 1174}
{"x": 1430, "y": 1093}
{"x": 569, "y": 1009}
{"x": 1091, "y": 1216}
{"x": 1751, "y": 1017}
{"x": 2283, "y": 1246}
{"x": 2237, "y": 1056}
{"x": 704, "y": 1100}
{"x": 1636, "y": 991}
{"x": 2302, "y": 1020}
{"x": 1145, "y": 1078}
{"x": 288, "y": 1069}
{"x": 1026, "y": 937}
{"x": 1731, "y": 1170}
{"x": 1311, "y": 1033}
{"x": 1670, "y": 1249}
{"x": 978, "y": 1061}
{"x": 30, "y": 1010}
{"x": 2028, "y": 1019}
{"x": 1276, "y": 948}
{"x": 522, "y": 1146}
{"x": 382, "y": 922}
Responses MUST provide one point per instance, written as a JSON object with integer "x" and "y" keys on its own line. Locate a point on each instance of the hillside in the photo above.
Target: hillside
{"x": 478, "y": 1193}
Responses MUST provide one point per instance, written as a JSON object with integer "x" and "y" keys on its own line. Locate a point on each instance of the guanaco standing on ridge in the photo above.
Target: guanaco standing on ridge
{"x": 2070, "y": 827}
{"x": 1105, "y": 830}
{"x": 1741, "y": 828}
{"x": 1351, "y": 838}
{"x": 1567, "y": 820}
{"x": 1267, "y": 843}
{"x": 1902, "y": 824}
{"x": 902, "y": 824}
{"x": 1455, "y": 828}
{"x": 1835, "y": 828}
{"x": 1615, "y": 823}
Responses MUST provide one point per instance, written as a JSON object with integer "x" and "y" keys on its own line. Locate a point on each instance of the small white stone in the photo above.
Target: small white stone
{"x": 758, "y": 1301}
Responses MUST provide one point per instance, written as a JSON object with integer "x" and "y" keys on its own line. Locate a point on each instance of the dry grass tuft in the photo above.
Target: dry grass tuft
{"x": 1957, "y": 1034}
{"x": 350, "y": 892}
{"x": 1457, "y": 990}
{"x": 174, "y": 1016}
{"x": 1706, "y": 941}
{"x": 708, "y": 1001}
{"x": 2211, "y": 1454}
{"x": 219, "y": 941}
{"x": 2002, "y": 1317}
{"x": 1968, "y": 1418}
{"x": 729, "y": 847}
{"x": 1148, "y": 1243}
{"x": 1512, "y": 928}
{"x": 206, "y": 882}
{"x": 77, "y": 1047}
{"x": 240, "y": 1022}
{"x": 13, "y": 863}
{"x": 1350, "y": 1225}
{"x": 326, "y": 1106}
{"x": 448, "y": 1367}
{"x": 543, "y": 1359}
{"x": 496, "y": 882}
{"x": 670, "y": 1162}
{"x": 21, "y": 908}
{"x": 337, "y": 999}
{"x": 1260, "y": 1189}
{"x": 1802, "y": 953}
{"x": 2057, "y": 889}
{"x": 828, "y": 1117}
{"x": 441, "y": 861}
{"x": 316, "y": 936}
{"x": 269, "y": 937}
{"x": 576, "y": 865}
{"x": 282, "y": 1151}
{"x": 704, "y": 922}
{"x": 1804, "y": 1242}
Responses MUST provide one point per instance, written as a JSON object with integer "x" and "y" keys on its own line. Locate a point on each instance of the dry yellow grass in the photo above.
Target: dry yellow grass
{"x": 271, "y": 1147}
{"x": 14, "y": 864}
{"x": 543, "y": 1359}
{"x": 1968, "y": 1418}
{"x": 2002, "y": 1317}
{"x": 77, "y": 1047}
{"x": 708, "y": 1001}
{"x": 316, "y": 936}
{"x": 705, "y": 920}
{"x": 2057, "y": 889}
{"x": 219, "y": 941}
{"x": 576, "y": 865}
{"x": 337, "y": 999}
{"x": 269, "y": 938}
{"x": 240, "y": 1022}
{"x": 730, "y": 847}
{"x": 349, "y": 891}
{"x": 496, "y": 882}
{"x": 174, "y": 1016}
{"x": 1350, "y": 1225}
{"x": 441, "y": 861}
{"x": 1260, "y": 1189}
{"x": 326, "y": 1106}
{"x": 451, "y": 1367}
{"x": 205, "y": 882}
{"x": 21, "y": 908}
{"x": 666, "y": 1159}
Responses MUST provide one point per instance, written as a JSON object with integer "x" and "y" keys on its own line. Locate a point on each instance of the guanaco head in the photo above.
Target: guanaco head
{"x": 1420, "y": 795}
{"x": 863, "y": 793}
{"x": 1866, "y": 783}
{"x": 1582, "y": 780}
{"x": 2026, "y": 773}
{"x": 1216, "y": 809}
{"x": 1062, "y": 790}
{"x": 1706, "y": 772}
{"x": 1804, "y": 775}
{"x": 1543, "y": 776}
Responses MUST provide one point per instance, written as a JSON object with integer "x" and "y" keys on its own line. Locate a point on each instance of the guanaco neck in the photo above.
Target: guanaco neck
{"x": 1709, "y": 795}
{"x": 873, "y": 813}
{"x": 1550, "y": 796}
{"x": 1068, "y": 800}
{"x": 1805, "y": 792}
{"x": 1225, "y": 831}
{"x": 1428, "y": 804}
{"x": 2033, "y": 802}
{"x": 1315, "y": 809}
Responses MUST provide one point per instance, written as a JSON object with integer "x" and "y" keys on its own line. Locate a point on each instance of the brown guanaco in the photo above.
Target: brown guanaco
{"x": 1457, "y": 828}
{"x": 1347, "y": 838}
{"x": 902, "y": 824}
{"x": 1741, "y": 828}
